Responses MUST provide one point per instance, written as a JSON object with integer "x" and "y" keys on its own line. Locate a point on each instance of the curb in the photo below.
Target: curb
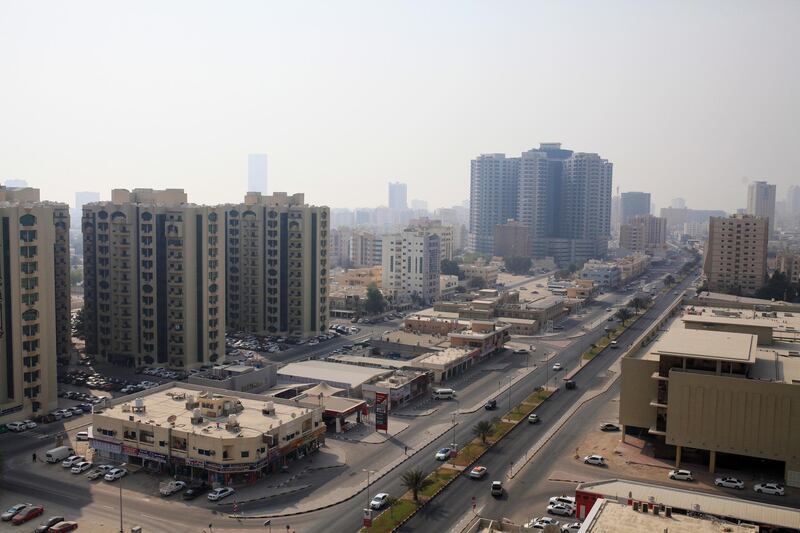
{"x": 348, "y": 498}
{"x": 576, "y": 481}
{"x": 263, "y": 498}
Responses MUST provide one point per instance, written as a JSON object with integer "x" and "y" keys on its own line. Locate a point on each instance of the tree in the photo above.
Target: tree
{"x": 518, "y": 265}
{"x": 778, "y": 287}
{"x": 415, "y": 481}
{"x": 476, "y": 282}
{"x": 449, "y": 267}
{"x": 375, "y": 302}
{"x": 623, "y": 314}
{"x": 482, "y": 429}
{"x": 639, "y": 303}
{"x": 669, "y": 280}
{"x": 79, "y": 324}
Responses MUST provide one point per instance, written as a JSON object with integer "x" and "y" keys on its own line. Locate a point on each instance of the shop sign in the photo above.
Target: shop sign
{"x": 153, "y": 456}
{"x": 128, "y": 450}
{"x": 195, "y": 463}
{"x": 381, "y": 411}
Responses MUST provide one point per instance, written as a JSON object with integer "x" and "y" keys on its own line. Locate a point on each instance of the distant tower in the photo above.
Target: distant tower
{"x": 257, "y": 173}
{"x": 398, "y": 195}
{"x": 16, "y": 184}
{"x": 633, "y": 204}
{"x": 761, "y": 201}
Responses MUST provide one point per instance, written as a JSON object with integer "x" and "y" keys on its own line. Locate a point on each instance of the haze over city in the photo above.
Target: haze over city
{"x": 345, "y": 96}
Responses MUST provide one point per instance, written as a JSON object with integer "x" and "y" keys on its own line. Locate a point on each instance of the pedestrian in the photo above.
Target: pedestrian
{"x": 405, "y": 449}
{"x": 34, "y": 457}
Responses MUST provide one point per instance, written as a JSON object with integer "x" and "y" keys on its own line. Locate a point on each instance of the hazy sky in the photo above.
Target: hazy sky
{"x": 686, "y": 98}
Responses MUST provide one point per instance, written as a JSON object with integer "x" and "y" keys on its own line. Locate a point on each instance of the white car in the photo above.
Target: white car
{"x": 65, "y": 413}
{"x": 30, "y": 424}
{"x": 72, "y": 460}
{"x": 478, "y": 472}
{"x": 17, "y": 426}
{"x": 379, "y": 501}
{"x": 770, "y": 488}
{"x": 729, "y": 483}
{"x": 172, "y": 487}
{"x": 557, "y": 367}
{"x": 533, "y": 418}
{"x": 82, "y": 436}
{"x": 443, "y": 454}
{"x": 560, "y": 509}
{"x": 571, "y": 528}
{"x": 520, "y": 351}
{"x": 681, "y": 475}
{"x": 564, "y": 500}
{"x": 596, "y": 460}
{"x": 83, "y": 466}
{"x": 115, "y": 474}
{"x": 544, "y": 521}
{"x": 220, "y": 493}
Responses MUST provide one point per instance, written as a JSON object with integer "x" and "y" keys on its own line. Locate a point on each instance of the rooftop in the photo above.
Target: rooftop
{"x": 377, "y": 362}
{"x": 163, "y": 403}
{"x": 699, "y": 344}
{"x": 329, "y": 371}
{"x": 612, "y": 517}
{"x": 719, "y": 505}
{"x": 444, "y": 357}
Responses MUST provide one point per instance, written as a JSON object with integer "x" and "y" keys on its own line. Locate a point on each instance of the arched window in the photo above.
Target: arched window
{"x": 30, "y": 314}
{"x": 27, "y": 220}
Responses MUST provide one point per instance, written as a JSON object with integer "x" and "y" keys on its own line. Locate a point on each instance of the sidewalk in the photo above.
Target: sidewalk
{"x": 367, "y": 434}
{"x": 348, "y": 488}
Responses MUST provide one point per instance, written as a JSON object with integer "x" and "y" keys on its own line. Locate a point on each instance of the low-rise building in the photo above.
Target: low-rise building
{"x": 347, "y": 377}
{"x": 488, "y": 273}
{"x": 204, "y": 433}
{"x": 486, "y": 337}
{"x": 448, "y": 286}
{"x": 401, "y": 387}
{"x": 239, "y": 378}
{"x": 605, "y": 274}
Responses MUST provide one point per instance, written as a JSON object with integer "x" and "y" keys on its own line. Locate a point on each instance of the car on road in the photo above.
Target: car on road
{"x": 379, "y": 501}
{"x": 594, "y": 459}
{"x": 569, "y": 383}
{"x": 497, "y": 489}
{"x": 533, "y": 418}
{"x": 443, "y": 454}
{"x": 17, "y": 427}
{"x": 220, "y": 493}
{"x": 64, "y": 527}
{"x": 729, "y": 483}
{"x": 83, "y": 466}
{"x": 115, "y": 474}
{"x": 478, "y": 472}
{"x": 557, "y": 367}
{"x": 30, "y": 424}
{"x": 491, "y": 405}
{"x": 195, "y": 490}
{"x": 560, "y": 509}
{"x": 72, "y": 460}
{"x": 574, "y": 527}
{"x": 614, "y": 345}
{"x": 608, "y": 309}
{"x": 608, "y": 426}
{"x": 29, "y": 513}
{"x": 172, "y": 487}
{"x": 770, "y": 488}
{"x": 45, "y": 526}
{"x": 13, "y": 511}
{"x": 520, "y": 351}
{"x": 681, "y": 475}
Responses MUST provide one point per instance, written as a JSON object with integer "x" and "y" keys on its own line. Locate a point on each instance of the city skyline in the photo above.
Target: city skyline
{"x": 83, "y": 136}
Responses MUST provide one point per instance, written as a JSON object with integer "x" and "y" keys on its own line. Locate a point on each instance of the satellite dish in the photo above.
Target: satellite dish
{"x": 172, "y": 419}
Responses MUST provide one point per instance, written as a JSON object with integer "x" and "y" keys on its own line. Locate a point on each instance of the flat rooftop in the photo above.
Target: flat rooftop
{"x": 415, "y": 339}
{"x": 331, "y": 372}
{"x": 719, "y": 505}
{"x": 167, "y": 401}
{"x": 613, "y": 517}
{"x": 699, "y": 344}
{"x": 444, "y": 357}
{"x": 377, "y": 362}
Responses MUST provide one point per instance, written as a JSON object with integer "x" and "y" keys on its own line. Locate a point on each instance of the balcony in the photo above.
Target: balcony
{"x": 657, "y": 403}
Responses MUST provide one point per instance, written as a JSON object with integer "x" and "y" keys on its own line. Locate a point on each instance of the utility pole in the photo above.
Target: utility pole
{"x": 121, "y": 530}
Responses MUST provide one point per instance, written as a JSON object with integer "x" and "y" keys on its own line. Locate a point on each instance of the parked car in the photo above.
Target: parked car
{"x": 565, "y": 500}
{"x": 115, "y": 474}
{"x": 96, "y": 473}
{"x": 729, "y": 483}
{"x": 543, "y": 521}
{"x": 491, "y": 405}
{"x": 82, "y": 436}
{"x": 72, "y": 460}
{"x": 13, "y": 511}
{"x": 443, "y": 454}
{"x": 83, "y": 466}
{"x": 30, "y": 424}
{"x": 497, "y": 489}
{"x": 478, "y": 472}
{"x": 17, "y": 427}
{"x": 608, "y": 426}
{"x": 560, "y": 509}
{"x": 172, "y": 487}
{"x": 220, "y": 493}
{"x": 29, "y": 513}
{"x": 45, "y": 526}
{"x": 770, "y": 488}
{"x": 379, "y": 501}
{"x": 533, "y": 418}
{"x": 596, "y": 460}
{"x": 195, "y": 490}
{"x": 64, "y": 527}
{"x": 681, "y": 475}
{"x": 574, "y": 527}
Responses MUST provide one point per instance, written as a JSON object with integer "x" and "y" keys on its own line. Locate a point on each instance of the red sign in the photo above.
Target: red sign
{"x": 381, "y": 411}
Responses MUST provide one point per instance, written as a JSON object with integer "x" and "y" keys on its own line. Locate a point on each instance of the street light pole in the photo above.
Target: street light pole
{"x": 368, "y": 473}
{"x": 121, "y": 530}
{"x": 455, "y": 413}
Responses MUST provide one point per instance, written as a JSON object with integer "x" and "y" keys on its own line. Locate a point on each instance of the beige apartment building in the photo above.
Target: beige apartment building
{"x": 736, "y": 254}
{"x": 277, "y": 265}
{"x": 512, "y": 239}
{"x": 719, "y": 385}
{"x": 644, "y": 234}
{"x": 204, "y": 433}
{"x": 154, "y": 270}
{"x": 34, "y": 289}
{"x": 365, "y": 249}
{"x": 444, "y": 231}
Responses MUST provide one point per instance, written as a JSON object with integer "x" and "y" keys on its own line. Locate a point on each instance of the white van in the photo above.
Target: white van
{"x": 56, "y": 455}
{"x": 444, "y": 394}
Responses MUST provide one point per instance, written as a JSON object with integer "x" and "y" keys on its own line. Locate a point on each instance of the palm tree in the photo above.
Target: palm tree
{"x": 482, "y": 429}
{"x": 623, "y": 314}
{"x": 415, "y": 481}
{"x": 638, "y": 303}
{"x": 669, "y": 280}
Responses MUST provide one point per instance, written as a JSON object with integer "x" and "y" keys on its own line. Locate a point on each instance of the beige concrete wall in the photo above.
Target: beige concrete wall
{"x": 637, "y": 388}
{"x": 734, "y": 415}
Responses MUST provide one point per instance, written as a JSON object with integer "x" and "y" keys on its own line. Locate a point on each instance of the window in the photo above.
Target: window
{"x": 29, "y": 284}
{"x": 106, "y": 432}
{"x": 29, "y": 267}
{"x": 27, "y": 251}
{"x": 30, "y": 314}
{"x": 27, "y": 235}
{"x": 30, "y": 330}
{"x": 30, "y": 346}
{"x": 245, "y": 454}
{"x": 30, "y": 299}
{"x": 27, "y": 220}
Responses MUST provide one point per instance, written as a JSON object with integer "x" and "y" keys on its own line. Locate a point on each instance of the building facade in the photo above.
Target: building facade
{"x": 512, "y": 239}
{"x": 633, "y": 204}
{"x": 365, "y": 249}
{"x": 493, "y": 198}
{"x": 34, "y": 290}
{"x": 411, "y": 267}
{"x": 736, "y": 254}
{"x": 398, "y": 195}
{"x": 761, "y": 201}
{"x": 277, "y": 265}
{"x": 154, "y": 279}
{"x": 644, "y": 234}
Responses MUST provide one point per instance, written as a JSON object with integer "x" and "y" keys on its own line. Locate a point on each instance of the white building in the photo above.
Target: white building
{"x": 761, "y": 201}
{"x": 411, "y": 267}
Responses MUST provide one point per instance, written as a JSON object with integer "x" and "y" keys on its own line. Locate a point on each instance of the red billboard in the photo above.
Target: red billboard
{"x": 381, "y": 411}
